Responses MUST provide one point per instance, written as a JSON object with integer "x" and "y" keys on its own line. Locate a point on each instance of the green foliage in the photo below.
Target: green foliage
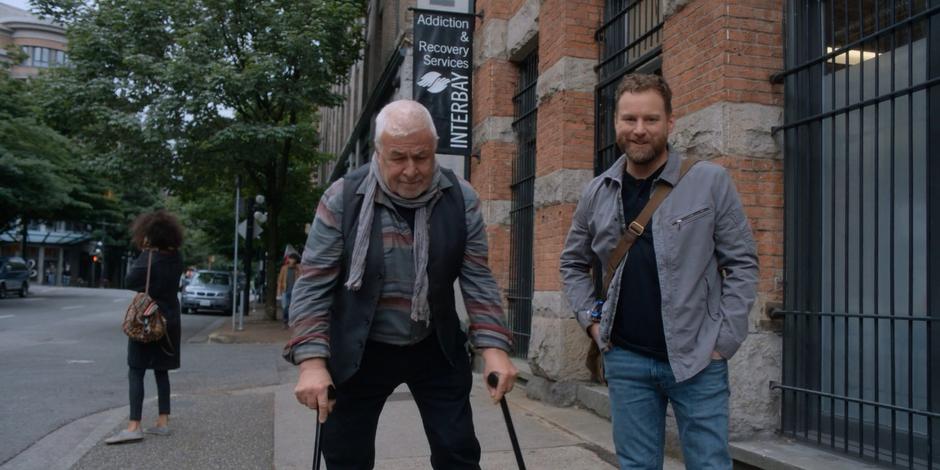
{"x": 43, "y": 175}
{"x": 192, "y": 93}
{"x": 209, "y": 226}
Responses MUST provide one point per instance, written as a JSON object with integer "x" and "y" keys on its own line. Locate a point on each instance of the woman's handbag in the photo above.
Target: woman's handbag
{"x": 143, "y": 321}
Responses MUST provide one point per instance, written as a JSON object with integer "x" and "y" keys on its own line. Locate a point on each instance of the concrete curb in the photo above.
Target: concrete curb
{"x": 64, "y": 447}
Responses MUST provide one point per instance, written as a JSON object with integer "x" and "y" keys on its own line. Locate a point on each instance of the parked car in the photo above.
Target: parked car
{"x": 208, "y": 290}
{"x": 14, "y": 276}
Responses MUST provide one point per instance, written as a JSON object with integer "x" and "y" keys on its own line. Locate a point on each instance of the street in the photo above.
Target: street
{"x": 63, "y": 358}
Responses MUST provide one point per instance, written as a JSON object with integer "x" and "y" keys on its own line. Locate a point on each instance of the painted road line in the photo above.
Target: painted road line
{"x": 6, "y": 316}
{"x": 73, "y": 307}
{"x": 79, "y": 361}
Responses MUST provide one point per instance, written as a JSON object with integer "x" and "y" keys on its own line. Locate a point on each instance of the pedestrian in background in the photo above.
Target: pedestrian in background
{"x": 285, "y": 283}
{"x": 160, "y": 235}
{"x": 374, "y": 305}
{"x": 677, "y": 306}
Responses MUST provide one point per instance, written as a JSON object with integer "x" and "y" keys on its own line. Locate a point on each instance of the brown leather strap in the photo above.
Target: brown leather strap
{"x": 636, "y": 228}
{"x": 147, "y": 285}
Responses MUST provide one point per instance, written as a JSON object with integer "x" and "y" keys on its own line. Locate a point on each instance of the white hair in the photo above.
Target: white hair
{"x": 408, "y": 116}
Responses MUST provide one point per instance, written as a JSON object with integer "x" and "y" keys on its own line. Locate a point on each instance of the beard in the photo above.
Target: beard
{"x": 642, "y": 154}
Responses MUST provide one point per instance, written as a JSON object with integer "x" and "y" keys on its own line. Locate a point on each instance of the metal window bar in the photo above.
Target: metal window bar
{"x": 522, "y": 213}
{"x": 862, "y": 215}
{"x": 631, "y": 41}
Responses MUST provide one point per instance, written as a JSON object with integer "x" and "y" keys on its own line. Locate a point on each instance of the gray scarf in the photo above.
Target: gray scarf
{"x": 422, "y": 204}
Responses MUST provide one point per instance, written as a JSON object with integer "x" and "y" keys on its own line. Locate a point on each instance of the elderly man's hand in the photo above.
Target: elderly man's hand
{"x": 496, "y": 360}
{"x": 313, "y": 385}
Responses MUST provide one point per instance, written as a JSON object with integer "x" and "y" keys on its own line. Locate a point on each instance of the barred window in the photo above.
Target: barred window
{"x": 631, "y": 41}
{"x": 522, "y": 213}
{"x": 862, "y": 269}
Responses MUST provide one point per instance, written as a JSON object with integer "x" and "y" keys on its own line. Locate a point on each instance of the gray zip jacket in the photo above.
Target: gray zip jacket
{"x": 705, "y": 256}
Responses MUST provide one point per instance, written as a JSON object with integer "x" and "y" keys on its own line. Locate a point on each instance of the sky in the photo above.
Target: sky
{"x": 22, "y": 4}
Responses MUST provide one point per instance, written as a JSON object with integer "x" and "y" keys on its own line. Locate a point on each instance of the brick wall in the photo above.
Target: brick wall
{"x": 565, "y": 136}
{"x": 733, "y": 48}
{"x": 494, "y": 82}
{"x": 566, "y": 29}
{"x": 723, "y": 50}
{"x": 551, "y": 229}
{"x": 760, "y": 183}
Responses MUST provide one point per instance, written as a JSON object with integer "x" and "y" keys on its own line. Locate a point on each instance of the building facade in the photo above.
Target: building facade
{"x": 59, "y": 253}
{"x": 824, "y": 113}
{"x": 43, "y": 41}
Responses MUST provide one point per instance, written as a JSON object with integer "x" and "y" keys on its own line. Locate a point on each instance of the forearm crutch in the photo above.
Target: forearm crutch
{"x": 493, "y": 381}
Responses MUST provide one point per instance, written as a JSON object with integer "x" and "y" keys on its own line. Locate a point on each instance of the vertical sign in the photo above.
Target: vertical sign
{"x": 443, "y": 65}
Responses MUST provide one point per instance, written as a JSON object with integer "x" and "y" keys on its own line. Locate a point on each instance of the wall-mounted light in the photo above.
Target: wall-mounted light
{"x": 851, "y": 56}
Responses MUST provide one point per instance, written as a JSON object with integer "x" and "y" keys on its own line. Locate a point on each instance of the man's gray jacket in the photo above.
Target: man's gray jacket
{"x": 705, "y": 256}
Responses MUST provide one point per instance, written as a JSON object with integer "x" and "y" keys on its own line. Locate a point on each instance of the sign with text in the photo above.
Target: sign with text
{"x": 443, "y": 65}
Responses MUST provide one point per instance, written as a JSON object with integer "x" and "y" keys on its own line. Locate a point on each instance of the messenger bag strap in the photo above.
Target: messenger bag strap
{"x": 149, "y": 259}
{"x": 636, "y": 228}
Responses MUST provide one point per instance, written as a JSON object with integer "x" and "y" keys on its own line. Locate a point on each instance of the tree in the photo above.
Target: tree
{"x": 196, "y": 91}
{"x": 43, "y": 175}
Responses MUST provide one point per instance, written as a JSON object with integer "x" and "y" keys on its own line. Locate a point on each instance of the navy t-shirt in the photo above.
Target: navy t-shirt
{"x": 638, "y": 324}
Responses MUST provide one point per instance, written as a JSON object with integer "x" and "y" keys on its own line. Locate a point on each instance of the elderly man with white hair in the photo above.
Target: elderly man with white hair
{"x": 374, "y": 304}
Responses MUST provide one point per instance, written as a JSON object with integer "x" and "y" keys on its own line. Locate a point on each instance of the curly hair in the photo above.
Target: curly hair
{"x": 158, "y": 229}
{"x": 640, "y": 82}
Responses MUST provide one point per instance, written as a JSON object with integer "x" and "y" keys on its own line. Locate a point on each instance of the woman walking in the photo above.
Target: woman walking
{"x": 159, "y": 236}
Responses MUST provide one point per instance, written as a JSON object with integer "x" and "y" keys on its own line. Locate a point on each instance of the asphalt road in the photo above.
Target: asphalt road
{"x": 62, "y": 358}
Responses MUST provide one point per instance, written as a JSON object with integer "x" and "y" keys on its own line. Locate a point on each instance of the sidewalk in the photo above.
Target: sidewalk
{"x": 251, "y": 428}
{"x": 551, "y": 437}
{"x": 256, "y": 329}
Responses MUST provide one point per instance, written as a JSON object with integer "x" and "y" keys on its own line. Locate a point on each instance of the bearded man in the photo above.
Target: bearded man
{"x": 677, "y": 304}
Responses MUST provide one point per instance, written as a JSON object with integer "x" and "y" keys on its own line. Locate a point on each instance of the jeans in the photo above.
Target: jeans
{"x": 640, "y": 388}
{"x": 441, "y": 391}
{"x": 135, "y": 378}
{"x": 285, "y": 305}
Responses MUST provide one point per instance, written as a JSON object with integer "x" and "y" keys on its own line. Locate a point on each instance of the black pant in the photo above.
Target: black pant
{"x": 135, "y": 378}
{"x": 441, "y": 391}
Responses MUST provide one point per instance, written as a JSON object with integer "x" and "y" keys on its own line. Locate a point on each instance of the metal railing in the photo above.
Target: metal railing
{"x": 862, "y": 212}
{"x": 522, "y": 213}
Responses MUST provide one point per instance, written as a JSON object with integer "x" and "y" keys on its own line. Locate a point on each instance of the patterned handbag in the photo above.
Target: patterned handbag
{"x": 143, "y": 321}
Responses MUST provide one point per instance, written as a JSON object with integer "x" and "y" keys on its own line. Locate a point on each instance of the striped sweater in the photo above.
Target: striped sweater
{"x": 319, "y": 277}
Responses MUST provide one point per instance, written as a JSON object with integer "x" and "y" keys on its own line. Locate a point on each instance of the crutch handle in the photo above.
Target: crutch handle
{"x": 330, "y": 395}
{"x": 492, "y": 379}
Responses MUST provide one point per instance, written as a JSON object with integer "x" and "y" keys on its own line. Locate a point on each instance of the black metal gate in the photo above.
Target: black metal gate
{"x": 862, "y": 138}
{"x": 630, "y": 41}
{"x": 522, "y": 214}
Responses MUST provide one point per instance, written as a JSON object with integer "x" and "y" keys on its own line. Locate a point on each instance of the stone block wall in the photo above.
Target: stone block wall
{"x": 563, "y": 33}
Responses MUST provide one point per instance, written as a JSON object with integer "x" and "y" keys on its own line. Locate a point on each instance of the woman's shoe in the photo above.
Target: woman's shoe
{"x": 158, "y": 430}
{"x": 125, "y": 436}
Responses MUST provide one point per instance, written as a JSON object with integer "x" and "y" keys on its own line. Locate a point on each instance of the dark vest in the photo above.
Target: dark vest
{"x": 352, "y": 312}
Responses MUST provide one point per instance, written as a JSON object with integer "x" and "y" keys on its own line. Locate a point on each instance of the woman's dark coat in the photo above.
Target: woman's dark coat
{"x": 165, "y": 271}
